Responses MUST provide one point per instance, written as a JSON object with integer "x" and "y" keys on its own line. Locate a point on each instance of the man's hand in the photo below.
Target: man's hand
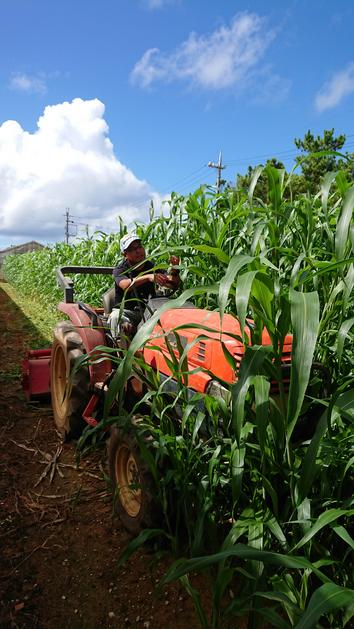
{"x": 161, "y": 279}
{"x": 174, "y": 279}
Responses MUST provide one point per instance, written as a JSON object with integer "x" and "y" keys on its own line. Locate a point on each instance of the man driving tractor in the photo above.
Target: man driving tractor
{"x": 135, "y": 282}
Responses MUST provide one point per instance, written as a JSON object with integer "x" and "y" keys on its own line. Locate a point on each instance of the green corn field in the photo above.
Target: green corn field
{"x": 267, "y": 514}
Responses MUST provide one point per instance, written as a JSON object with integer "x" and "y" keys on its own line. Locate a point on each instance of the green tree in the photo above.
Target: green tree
{"x": 314, "y": 167}
{"x": 297, "y": 184}
{"x": 261, "y": 190}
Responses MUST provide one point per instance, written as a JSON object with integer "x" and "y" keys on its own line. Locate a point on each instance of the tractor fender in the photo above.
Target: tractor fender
{"x": 91, "y": 338}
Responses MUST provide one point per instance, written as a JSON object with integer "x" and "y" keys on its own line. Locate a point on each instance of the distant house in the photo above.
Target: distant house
{"x": 27, "y": 246}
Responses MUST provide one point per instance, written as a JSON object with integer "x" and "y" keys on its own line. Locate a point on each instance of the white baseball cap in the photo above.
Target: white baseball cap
{"x": 127, "y": 240}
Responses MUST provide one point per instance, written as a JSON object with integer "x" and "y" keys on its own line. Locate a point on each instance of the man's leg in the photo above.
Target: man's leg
{"x": 113, "y": 322}
{"x": 122, "y": 329}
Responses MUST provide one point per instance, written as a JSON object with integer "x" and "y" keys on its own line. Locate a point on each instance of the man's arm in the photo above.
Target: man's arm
{"x": 127, "y": 284}
{"x": 170, "y": 280}
{"x": 123, "y": 279}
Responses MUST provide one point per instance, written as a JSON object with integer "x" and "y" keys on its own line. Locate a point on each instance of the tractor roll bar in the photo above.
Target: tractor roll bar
{"x": 68, "y": 284}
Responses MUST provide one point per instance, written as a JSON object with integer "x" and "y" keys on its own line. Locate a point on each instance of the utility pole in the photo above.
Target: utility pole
{"x": 219, "y": 168}
{"x": 68, "y": 222}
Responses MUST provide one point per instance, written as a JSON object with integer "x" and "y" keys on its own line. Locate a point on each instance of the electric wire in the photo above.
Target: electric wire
{"x": 203, "y": 174}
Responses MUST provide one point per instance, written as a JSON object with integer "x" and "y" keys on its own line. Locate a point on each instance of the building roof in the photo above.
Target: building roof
{"x": 26, "y": 246}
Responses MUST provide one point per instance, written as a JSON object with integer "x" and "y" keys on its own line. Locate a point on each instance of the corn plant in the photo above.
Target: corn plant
{"x": 258, "y": 491}
{"x": 249, "y": 477}
{"x": 242, "y": 469}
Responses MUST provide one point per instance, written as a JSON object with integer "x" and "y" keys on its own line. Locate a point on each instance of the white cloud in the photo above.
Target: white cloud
{"x": 157, "y": 4}
{"x": 220, "y": 60}
{"x": 67, "y": 163}
{"x": 30, "y": 84}
{"x": 332, "y": 93}
{"x": 271, "y": 88}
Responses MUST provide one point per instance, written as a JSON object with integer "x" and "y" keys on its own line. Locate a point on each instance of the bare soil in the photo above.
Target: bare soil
{"x": 59, "y": 543}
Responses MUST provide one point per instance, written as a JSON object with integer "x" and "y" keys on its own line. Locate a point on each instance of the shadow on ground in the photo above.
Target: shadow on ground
{"x": 17, "y": 331}
{"x": 59, "y": 543}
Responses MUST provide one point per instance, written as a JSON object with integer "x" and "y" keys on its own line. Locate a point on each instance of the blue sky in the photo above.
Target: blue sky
{"x": 106, "y": 105}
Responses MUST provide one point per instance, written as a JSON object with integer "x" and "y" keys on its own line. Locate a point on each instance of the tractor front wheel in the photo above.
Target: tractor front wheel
{"x": 69, "y": 391}
{"x": 131, "y": 482}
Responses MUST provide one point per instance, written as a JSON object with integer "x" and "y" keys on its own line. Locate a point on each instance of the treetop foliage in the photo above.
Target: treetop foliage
{"x": 313, "y": 164}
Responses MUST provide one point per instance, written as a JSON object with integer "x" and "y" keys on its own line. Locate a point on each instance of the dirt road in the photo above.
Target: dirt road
{"x": 58, "y": 542}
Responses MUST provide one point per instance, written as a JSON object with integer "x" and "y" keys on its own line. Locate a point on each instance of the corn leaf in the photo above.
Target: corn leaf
{"x": 325, "y": 599}
{"x": 235, "y": 265}
{"x": 305, "y": 321}
{"x": 243, "y": 289}
{"x": 342, "y": 335}
{"x": 323, "y": 520}
{"x": 261, "y": 388}
{"x": 309, "y": 467}
{"x": 344, "y": 535}
{"x": 343, "y": 224}
{"x": 242, "y": 551}
{"x": 218, "y": 253}
{"x": 256, "y": 174}
{"x": 250, "y": 365}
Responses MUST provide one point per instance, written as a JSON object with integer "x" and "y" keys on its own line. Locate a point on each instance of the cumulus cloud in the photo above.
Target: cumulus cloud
{"x": 332, "y": 93}
{"x": 30, "y": 84}
{"x": 68, "y": 162}
{"x": 217, "y": 61}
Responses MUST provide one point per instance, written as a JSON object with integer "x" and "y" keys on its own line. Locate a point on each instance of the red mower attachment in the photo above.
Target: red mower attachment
{"x": 36, "y": 374}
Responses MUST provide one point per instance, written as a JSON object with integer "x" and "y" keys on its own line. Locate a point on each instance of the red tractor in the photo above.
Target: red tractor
{"x": 77, "y": 394}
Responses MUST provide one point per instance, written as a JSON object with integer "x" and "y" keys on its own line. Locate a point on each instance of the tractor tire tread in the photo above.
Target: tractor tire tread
{"x": 148, "y": 515}
{"x": 68, "y": 341}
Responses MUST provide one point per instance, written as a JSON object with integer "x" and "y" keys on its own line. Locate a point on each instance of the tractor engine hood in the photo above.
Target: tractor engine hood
{"x": 202, "y": 335}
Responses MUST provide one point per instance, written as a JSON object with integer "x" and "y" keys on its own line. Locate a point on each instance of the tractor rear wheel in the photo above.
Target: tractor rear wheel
{"x": 69, "y": 392}
{"x": 131, "y": 482}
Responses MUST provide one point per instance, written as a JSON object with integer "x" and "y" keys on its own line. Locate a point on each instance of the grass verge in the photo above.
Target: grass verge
{"x": 39, "y": 315}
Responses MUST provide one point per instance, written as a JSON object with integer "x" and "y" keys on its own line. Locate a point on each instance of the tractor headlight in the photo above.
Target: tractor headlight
{"x": 215, "y": 389}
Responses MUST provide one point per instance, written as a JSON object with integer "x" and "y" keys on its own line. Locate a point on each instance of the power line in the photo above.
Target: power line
{"x": 288, "y": 153}
{"x": 207, "y": 177}
{"x": 188, "y": 180}
{"x": 199, "y": 175}
{"x": 182, "y": 180}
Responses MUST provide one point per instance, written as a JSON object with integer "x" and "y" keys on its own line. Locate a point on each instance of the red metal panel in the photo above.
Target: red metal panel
{"x": 206, "y": 353}
{"x": 36, "y": 373}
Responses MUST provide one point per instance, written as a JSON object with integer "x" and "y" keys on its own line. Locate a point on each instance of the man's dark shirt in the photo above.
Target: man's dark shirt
{"x": 123, "y": 271}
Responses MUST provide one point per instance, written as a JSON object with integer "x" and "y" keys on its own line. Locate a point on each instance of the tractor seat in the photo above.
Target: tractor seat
{"x": 108, "y": 299}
